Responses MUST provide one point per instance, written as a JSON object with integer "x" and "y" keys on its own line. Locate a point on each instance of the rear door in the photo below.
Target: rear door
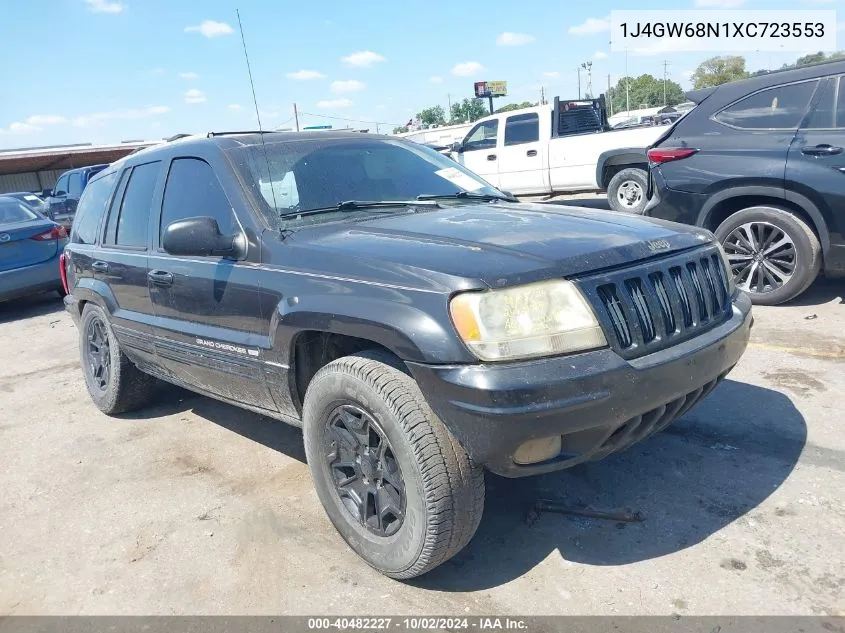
{"x": 479, "y": 151}
{"x": 121, "y": 262}
{"x": 522, "y": 159}
{"x": 816, "y": 162}
{"x": 209, "y": 322}
{"x": 21, "y": 229}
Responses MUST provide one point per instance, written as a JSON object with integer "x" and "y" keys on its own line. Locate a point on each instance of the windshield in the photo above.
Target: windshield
{"x": 320, "y": 173}
{"x": 14, "y": 212}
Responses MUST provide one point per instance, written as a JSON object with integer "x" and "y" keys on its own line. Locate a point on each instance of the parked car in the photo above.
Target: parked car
{"x": 32, "y": 200}
{"x": 64, "y": 197}
{"x": 555, "y": 148}
{"x": 760, "y": 162}
{"x": 419, "y": 324}
{"x": 30, "y": 248}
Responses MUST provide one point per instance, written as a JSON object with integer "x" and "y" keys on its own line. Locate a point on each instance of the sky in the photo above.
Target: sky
{"x": 102, "y": 71}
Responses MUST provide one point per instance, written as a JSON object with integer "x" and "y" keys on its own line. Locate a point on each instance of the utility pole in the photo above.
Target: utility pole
{"x": 449, "y": 101}
{"x": 588, "y": 66}
{"x": 542, "y": 96}
{"x": 296, "y": 117}
{"x": 627, "y": 84}
{"x": 665, "y": 66}
{"x": 579, "y": 81}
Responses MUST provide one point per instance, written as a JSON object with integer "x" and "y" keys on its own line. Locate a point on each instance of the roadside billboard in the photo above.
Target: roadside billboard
{"x": 484, "y": 89}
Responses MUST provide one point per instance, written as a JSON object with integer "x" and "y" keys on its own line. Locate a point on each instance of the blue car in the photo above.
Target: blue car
{"x": 31, "y": 246}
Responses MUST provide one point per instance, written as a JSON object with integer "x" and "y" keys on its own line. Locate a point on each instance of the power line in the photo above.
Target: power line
{"x": 340, "y": 118}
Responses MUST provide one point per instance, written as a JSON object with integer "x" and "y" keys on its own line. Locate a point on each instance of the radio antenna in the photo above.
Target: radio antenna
{"x": 257, "y": 114}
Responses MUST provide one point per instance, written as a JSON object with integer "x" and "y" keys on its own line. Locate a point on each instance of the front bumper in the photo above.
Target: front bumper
{"x": 597, "y": 401}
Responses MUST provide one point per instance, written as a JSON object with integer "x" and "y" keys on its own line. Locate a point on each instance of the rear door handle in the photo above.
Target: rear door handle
{"x": 531, "y": 152}
{"x": 821, "y": 150}
{"x": 160, "y": 277}
{"x": 491, "y": 157}
{"x": 100, "y": 267}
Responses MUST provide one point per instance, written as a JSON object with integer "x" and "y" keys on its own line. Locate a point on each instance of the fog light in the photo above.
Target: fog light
{"x": 539, "y": 450}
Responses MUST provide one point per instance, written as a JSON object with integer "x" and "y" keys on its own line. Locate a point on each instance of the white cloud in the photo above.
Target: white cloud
{"x": 303, "y": 75}
{"x": 330, "y": 104}
{"x": 194, "y": 96}
{"x": 20, "y": 128}
{"x": 46, "y": 119}
{"x": 465, "y": 69}
{"x": 599, "y": 55}
{"x": 119, "y": 115}
{"x": 189, "y": 75}
{"x": 719, "y": 4}
{"x": 551, "y": 74}
{"x": 591, "y": 26}
{"x": 435, "y": 79}
{"x": 210, "y": 28}
{"x": 362, "y": 59}
{"x": 101, "y": 6}
{"x": 514, "y": 39}
{"x": 234, "y": 107}
{"x": 350, "y": 85}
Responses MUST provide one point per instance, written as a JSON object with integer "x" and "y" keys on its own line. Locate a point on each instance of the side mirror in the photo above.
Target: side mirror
{"x": 46, "y": 193}
{"x": 201, "y": 236}
{"x": 457, "y": 146}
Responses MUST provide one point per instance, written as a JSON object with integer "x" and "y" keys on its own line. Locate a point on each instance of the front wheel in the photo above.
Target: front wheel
{"x": 395, "y": 483}
{"x": 627, "y": 190}
{"x": 773, "y": 253}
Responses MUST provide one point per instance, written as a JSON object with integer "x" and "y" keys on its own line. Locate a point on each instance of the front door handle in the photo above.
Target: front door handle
{"x": 160, "y": 277}
{"x": 100, "y": 267}
{"x": 491, "y": 157}
{"x": 821, "y": 150}
{"x": 531, "y": 152}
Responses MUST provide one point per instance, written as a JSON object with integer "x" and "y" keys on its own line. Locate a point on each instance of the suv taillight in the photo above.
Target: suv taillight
{"x": 63, "y": 272}
{"x": 659, "y": 155}
{"x": 56, "y": 233}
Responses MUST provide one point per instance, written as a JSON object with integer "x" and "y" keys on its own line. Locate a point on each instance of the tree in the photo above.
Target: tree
{"x": 400, "y": 130}
{"x": 719, "y": 70}
{"x": 468, "y": 110}
{"x": 812, "y": 58}
{"x": 515, "y": 106}
{"x": 643, "y": 90}
{"x": 434, "y": 115}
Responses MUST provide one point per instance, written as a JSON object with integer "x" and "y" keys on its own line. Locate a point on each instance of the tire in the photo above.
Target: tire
{"x": 771, "y": 282}
{"x": 631, "y": 181}
{"x": 443, "y": 491}
{"x": 124, "y": 387}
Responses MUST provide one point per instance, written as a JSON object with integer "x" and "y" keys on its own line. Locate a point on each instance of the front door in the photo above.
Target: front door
{"x": 209, "y": 326}
{"x": 816, "y": 161}
{"x": 522, "y": 161}
{"x": 57, "y": 199}
{"x": 478, "y": 153}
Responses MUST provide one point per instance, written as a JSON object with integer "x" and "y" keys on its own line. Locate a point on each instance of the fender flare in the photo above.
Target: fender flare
{"x": 94, "y": 291}
{"x": 626, "y": 156}
{"x": 802, "y": 201}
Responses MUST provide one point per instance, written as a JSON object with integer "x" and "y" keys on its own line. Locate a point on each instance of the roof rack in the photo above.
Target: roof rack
{"x": 213, "y": 134}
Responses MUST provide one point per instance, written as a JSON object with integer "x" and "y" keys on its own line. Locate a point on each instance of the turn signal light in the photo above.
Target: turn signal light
{"x": 58, "y": 232}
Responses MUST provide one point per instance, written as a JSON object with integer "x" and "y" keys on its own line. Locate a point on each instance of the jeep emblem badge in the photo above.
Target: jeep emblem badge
{"x": 658, "y": 245}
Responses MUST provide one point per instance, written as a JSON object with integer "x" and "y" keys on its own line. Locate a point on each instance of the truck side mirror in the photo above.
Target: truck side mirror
{"x": 46, "y": 193}
{"x": 457, "y": 146}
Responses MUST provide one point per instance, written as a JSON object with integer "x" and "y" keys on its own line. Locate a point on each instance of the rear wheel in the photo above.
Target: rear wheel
{"x": 626, "y": 190}
{"x": 114, "y": 383}
{"x": 397, "y": 486}
{"x": 774, "y": 254}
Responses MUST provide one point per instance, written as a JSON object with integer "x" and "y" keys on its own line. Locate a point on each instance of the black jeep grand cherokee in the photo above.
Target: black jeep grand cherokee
{"x": 419, "y": 324}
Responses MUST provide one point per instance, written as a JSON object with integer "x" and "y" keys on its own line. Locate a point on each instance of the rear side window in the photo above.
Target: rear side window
{"x": 14, "y": 213}
{"x": 193, "y": 190}
{"x": 92, "y": 206}
{"x": 522, "y": 128}
{"x": 74, "y": 185}
{"x": 778, "y": 108}
{"x": 133, "y": 217}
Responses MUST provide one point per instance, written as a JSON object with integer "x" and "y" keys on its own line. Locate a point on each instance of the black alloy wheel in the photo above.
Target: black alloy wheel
{"x": 98, "y": 353}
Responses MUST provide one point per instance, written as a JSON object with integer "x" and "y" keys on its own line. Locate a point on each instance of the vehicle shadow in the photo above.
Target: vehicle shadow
{"x": 718, "y": 463}
{"x": 822, "y": 291}
{"x": 28, "y": 307}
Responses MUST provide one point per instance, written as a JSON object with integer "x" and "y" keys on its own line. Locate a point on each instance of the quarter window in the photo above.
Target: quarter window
{"x": 193, "y": 190}
{"x": 522, "y": 128}
{"x": 778, "y": 108}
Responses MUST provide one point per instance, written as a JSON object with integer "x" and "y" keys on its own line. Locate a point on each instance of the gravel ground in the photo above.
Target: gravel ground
{"x": 193, "y": 506}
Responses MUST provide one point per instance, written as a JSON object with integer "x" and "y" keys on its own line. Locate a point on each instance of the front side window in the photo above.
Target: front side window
{"x": 133, "y": 218}
{"x": 92, "y": 206}
{"x": 61, "y": 186}
{"x": 192, "y": 190}
{"x": 482, "y": 136}
{"x": 522, "y": 128}
{"x": 74, "y": 185}
{"x": 778, "y": 108}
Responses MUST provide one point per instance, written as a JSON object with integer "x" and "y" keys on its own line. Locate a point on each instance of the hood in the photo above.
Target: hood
{"x": 498, "y": 244}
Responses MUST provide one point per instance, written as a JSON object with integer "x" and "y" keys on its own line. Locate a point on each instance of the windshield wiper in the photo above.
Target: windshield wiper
{"x": 468, "y": 195}
{"x": 354, "y": 205}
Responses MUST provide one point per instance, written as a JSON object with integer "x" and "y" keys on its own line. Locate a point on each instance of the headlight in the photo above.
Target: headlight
{"x": 540, "y": 319}
{"x": 728, "y": 270}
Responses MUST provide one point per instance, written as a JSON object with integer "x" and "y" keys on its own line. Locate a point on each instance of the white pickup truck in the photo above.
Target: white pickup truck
{"x": 564, "y": 146}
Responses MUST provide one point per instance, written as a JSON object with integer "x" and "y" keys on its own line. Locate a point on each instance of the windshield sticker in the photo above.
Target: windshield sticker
{"x": 32, "y": 198}
{"x": 459, "y": 178}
